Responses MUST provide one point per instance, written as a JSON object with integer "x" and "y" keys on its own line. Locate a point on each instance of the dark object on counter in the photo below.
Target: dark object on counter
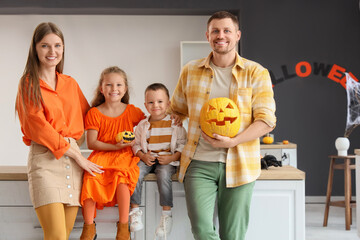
{"x": 270, "y": 160}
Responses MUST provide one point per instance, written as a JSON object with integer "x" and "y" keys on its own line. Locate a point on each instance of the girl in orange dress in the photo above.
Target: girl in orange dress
{"x": 110, "y": 114}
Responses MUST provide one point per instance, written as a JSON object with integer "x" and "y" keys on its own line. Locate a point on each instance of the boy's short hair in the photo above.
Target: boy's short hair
{"x": 157, "y": 86}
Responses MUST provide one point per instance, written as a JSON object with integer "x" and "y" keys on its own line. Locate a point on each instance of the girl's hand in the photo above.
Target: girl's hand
{"x": 148, "y": 159}
{"x": 122, "y": 145}
{"x": 219, "y": 141}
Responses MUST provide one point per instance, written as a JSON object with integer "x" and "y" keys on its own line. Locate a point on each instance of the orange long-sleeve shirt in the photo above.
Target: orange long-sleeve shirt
{"x": 61, "y": 115}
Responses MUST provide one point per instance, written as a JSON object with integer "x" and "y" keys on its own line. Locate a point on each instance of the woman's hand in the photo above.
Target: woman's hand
{"x": 85, "y": 164}
{"x": 88, "y": 166}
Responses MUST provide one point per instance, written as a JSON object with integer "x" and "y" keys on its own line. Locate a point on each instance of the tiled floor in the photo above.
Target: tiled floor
{"x": 314, "y": 216}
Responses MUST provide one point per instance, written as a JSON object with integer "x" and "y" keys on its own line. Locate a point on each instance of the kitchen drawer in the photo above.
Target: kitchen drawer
{"x": 17, "y": 212}
{"x": 24, "y": 218}
{"x": 19, "y": 223}
{"x": 14, "y": 193}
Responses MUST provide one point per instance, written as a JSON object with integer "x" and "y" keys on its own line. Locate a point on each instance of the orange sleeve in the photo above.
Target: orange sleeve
{"x": 137, "y": 115}
{"x": 91, "y": 120}
{"x": 35, "y": 127}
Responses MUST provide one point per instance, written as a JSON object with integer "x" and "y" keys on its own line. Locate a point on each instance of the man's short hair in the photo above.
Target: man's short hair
{"x": 222, "y": 15}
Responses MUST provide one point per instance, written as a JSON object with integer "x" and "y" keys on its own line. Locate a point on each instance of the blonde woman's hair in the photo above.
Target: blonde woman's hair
{"x": 29, "y": 85}
{"x": 99, "y": 97}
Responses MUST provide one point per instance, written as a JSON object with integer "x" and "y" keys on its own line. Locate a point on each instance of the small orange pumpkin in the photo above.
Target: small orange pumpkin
{"x": 268, "y": 140}
{"x": 126, "y": 136}
{"x": 220, "y": 116}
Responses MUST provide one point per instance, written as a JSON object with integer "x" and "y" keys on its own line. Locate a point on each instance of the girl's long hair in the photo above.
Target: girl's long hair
{"x": 99, "y": 97}
{"x": 29, "y": 85}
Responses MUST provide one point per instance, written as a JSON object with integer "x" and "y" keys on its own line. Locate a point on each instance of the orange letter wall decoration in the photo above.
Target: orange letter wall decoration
{"x": 336, "y": 73}
{"x": 307, "y": 69}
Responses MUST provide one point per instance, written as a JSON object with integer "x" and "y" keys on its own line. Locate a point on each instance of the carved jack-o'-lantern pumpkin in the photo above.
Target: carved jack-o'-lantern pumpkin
{"x": 126, "y": 136}
{"x": 220, "y": 116}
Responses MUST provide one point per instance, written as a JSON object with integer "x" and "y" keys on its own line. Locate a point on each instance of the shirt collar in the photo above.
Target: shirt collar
{"x": 58, "y": 83}
{"x": 239, "y": 62}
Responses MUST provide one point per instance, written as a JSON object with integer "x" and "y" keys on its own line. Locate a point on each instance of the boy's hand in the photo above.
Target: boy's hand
{"x": 148, "y": 159}
{"x": 166, "y": 159}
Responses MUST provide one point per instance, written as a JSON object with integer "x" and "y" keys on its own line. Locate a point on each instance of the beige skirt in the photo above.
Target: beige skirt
{"x": 51, "y": 180}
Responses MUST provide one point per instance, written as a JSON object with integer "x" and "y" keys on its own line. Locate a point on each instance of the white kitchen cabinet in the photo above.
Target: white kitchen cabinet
{"x": 19, "y": 221}
{"x": 277, "y": 210}
{"x": 18, "y": 217}
{"x": 276, "y": 204}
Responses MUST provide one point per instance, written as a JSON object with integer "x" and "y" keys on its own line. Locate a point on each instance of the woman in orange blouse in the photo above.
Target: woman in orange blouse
{"x": 51, "y": 110}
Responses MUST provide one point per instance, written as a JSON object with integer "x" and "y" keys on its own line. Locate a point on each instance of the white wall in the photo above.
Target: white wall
{"x": 146, "y": 47}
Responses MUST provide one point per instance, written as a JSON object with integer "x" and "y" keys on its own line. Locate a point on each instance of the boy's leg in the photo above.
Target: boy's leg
{"x": 135, "y": 199}
{"x": 233, "y": 209}
{"x": 201, "y": 188}
{"x": 164, "y": 182}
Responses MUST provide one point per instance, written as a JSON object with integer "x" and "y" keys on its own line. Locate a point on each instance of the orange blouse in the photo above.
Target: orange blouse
{"x": 61, "y": 114}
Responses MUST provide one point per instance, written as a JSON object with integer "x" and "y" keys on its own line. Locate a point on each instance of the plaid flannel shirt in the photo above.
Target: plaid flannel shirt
{"x": 250, "y": 89}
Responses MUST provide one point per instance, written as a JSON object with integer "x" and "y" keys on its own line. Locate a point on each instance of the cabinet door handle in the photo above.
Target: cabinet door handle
{"x": 77, "y": 227}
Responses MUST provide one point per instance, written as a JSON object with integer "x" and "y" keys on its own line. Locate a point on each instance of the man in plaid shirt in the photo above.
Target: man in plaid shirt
{"x": 222, "y": 167}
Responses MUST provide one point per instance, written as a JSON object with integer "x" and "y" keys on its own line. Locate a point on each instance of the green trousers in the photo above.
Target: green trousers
{"x": 204, "y": 183}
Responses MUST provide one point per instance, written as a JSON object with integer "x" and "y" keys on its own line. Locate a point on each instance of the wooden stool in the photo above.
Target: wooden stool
{"x": 347, "y": 166}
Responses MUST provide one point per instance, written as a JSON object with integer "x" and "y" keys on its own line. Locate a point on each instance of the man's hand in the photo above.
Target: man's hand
{"x": 177, "y": 119}
{"x": 219, "y": 141}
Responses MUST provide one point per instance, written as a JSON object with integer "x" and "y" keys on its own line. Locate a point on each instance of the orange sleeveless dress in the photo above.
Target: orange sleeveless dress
{"x": 119, "y": 166}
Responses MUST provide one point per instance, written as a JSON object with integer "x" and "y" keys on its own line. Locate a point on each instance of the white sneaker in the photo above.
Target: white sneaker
{"x": 135, "y": 221}
{"x": 164, "y": 228}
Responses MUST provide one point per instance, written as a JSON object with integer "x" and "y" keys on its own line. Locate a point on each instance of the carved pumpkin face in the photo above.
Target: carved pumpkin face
{"x": 220, "y": 116}
{"x": 126, "y": 136}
